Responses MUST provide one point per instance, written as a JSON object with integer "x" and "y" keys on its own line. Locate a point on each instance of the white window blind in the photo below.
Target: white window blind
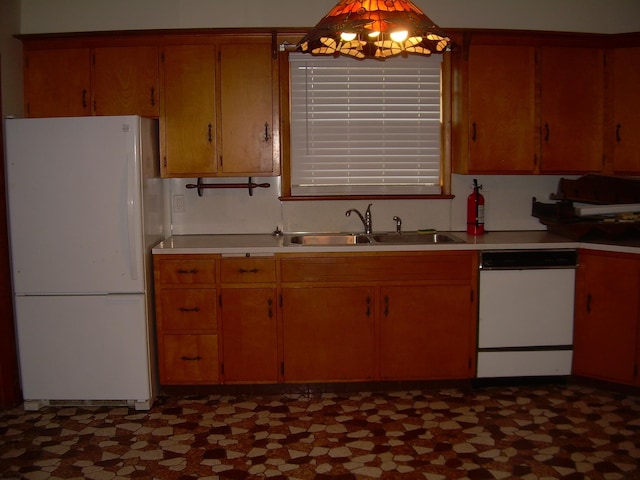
{"x": 365, "y": 127}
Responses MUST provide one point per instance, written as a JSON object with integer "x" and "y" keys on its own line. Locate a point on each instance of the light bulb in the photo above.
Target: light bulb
{"x": 400, "y": 36}
{"x": 347, "y": 37}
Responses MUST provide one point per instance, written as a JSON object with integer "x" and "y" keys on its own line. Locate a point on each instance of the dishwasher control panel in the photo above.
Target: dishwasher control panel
{"x": 528, "y": 259}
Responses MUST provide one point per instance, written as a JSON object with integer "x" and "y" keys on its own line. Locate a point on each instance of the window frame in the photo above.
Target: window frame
{"x": 445, "y": 143}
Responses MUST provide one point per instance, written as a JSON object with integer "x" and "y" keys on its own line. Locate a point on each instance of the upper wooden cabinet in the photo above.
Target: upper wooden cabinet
{"x": 220, "y": 104}
{"x": 624, "y": 121}
{"x": 502, "y": 134}
{"x": 57, "y": 82}
{"x": 91, "y": 81}
{"x": 188, "y": 116}
{"x": 572, "y": 109}
{"x": 248, "y": 119}
{"x": 125, "y": 81}
{"x": 522, "y": 107}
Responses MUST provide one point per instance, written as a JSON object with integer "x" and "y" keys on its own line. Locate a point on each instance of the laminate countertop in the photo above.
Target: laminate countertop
{"x": 268, "y": 244}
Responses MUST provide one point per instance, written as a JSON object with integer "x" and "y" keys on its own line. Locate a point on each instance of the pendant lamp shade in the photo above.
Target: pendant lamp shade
{"x": 374, "y": 29}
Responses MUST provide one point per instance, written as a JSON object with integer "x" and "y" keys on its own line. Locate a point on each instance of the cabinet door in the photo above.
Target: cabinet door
{"x": 572, "y": 109}
{"x": 625, "y": 109}
{"x": 606, "y": 321}
{"x": 502, "y": 115}
{"x": 125, "y": 81}
{"x": 328, "y": 334}
{"x": 246, "y": 116}
{"x": 426, "y": 332}
{"x": 249, "y": 339}
{"x": 57, "y": 82}
{"x": 187, "y": 129}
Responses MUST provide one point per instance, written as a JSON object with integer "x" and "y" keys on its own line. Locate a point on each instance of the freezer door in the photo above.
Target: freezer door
{"x": 84, "y": 348}
{"x": 74, "y": 193}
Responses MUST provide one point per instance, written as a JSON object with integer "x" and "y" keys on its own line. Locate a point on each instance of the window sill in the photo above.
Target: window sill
{"x": 366, "y": 197}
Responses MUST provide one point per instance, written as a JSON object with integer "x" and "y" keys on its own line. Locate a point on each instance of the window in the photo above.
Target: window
{"x": 365, "y": 127}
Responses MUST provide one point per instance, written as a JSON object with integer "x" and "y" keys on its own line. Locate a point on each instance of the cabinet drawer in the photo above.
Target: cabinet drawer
{"x": 188, "y": 309}
{"x": 189, "y": 359}
{"x": 438, "y": 266}
{"x": 186, "y": 271}
{"x": 248, "y": 270}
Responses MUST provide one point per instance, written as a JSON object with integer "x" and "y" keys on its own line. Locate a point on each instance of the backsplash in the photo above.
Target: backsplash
{"x": 508, "y": 207}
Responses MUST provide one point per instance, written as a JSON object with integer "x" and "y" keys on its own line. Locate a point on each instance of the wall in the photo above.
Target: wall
{"x": 234, "y": 211}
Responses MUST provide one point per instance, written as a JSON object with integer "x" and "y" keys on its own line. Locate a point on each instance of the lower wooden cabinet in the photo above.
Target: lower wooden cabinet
{"x": 426, "y": 332}
{"x": 328, "y": 333}
{"x": 187, "y": 319}
{"x": 301, "y": 318}
{"x": 607, "y": 317}
{"x": 402, "y": 316}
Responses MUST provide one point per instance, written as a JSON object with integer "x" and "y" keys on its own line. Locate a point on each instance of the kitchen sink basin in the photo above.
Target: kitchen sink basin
{"x": 415, "y": 238}
{"x": 409, "y": 238}
{"x": 329, "y": 239}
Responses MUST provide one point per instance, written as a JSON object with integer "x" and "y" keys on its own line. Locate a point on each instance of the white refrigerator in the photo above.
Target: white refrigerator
{"x": 86, "y": 205}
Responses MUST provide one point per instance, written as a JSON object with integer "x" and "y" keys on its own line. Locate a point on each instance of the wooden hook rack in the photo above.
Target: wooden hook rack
{"x": 250, "y": 185}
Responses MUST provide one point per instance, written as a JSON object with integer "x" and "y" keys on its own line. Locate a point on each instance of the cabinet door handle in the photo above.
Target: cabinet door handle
{"x": 191, "y": 359}
{"x": 473, "y": 132}
{"x": 193, "y": 271}
{"x": 153, "y": 96}
{"x": 267, "y": 135}
{"x": 618, "y": 127}
{"x": 210, "y": 133}
{"x": 270, "y": 310}
{"x": 546, "y": 131}
{"x": 368, "y": 301}
{"x": 386, "y": 305}
{"x": 84, "y": 98}
{"x": 244, "y": 270}
{"x": 588, "y": 303}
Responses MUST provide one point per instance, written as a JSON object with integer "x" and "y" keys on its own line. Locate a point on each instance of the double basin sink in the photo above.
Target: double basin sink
{"x": 389, "y": 238}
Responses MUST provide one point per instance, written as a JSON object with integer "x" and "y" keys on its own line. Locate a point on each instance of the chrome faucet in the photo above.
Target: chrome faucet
{"x": 366, "y": 219}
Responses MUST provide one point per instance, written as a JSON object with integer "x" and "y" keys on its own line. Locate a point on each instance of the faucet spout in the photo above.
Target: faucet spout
{"x": 365, "y": 219}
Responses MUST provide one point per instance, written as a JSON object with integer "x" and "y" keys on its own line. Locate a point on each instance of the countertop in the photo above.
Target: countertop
{"x": 267, "y": 244}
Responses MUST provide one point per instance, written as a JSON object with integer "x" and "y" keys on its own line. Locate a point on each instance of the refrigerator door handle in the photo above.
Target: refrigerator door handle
{"x": 131, "y": 230}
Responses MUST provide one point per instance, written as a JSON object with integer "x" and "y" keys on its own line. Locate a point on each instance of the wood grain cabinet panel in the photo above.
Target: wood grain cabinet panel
{"x": 624, "y": 124}
{"x": 426, "y": 332}
{"x": 126, "y": 81}
{"x": 607, "y": 317}
{"x": 502, "y": 109}
{"x": 572, "y": 109}
{"x": 57, "y": 82}
{"x": 189, "y": 359}
{"x": 188, "y": 120}
{"x": 328, "y": 334}
{"x": 249, "y": 313}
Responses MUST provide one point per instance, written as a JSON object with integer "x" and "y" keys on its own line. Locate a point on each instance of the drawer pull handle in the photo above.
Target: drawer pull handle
{"x": 193, "y": 271}
{"x": 244, "y": 270}
{"x": 191, "y": 359}
{"x": 186, "y": 309}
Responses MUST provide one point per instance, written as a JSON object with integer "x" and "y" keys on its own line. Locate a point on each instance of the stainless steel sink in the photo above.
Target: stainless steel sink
{"x": 415, "y": 238}
{"x": 328, "y": 239}
{"x": 389, "y": 238}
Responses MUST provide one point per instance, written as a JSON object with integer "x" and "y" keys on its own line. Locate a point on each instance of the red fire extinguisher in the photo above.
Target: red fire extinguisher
{"x": 475, "y": 211}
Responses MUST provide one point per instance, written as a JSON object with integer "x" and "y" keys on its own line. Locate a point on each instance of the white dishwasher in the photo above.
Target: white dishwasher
{"x": 526, "y": 303}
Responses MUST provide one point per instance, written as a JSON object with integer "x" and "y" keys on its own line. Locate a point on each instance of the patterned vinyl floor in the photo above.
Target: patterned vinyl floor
{"x": 534, "y": 432}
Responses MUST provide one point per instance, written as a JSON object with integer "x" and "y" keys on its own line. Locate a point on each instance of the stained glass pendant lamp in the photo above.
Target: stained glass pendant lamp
{"x": 374, "y": 29}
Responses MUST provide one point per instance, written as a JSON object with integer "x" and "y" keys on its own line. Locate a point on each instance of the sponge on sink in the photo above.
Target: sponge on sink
{"x": 427, "y": 230}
